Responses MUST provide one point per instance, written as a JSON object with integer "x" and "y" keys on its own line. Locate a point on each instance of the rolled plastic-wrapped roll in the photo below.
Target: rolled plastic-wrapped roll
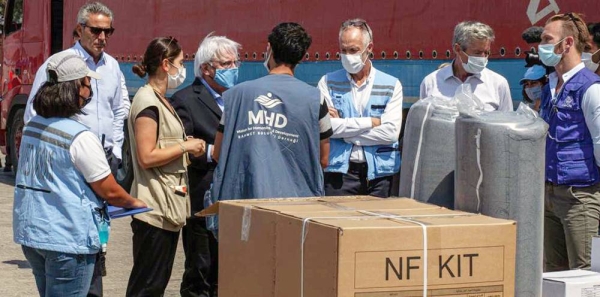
{"x": 500, "y": 173}
{"x": 428, "y": 155}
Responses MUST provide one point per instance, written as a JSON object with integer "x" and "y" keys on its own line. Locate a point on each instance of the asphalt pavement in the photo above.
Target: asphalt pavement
{"x": 16, "y": 278}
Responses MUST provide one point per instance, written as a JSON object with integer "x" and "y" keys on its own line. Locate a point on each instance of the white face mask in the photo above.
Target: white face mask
{"x": 534, "y": 93}
{"x": 474, "y": 65}
{"x": 266, "y": 62}
{"x": 353, "y": 63}
{"x": 174, "y": 81}
{"x": 586, "y": 58}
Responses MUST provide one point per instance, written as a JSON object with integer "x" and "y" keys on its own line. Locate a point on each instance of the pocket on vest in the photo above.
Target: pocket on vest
{"x": 376, "y": 111}
{"x": 176, "y": 211}
{"x": 387, "y": 159}
{"x": 574, "y": 167}
{"x": 177, "y": 165}
{"x": 569, "y": 127}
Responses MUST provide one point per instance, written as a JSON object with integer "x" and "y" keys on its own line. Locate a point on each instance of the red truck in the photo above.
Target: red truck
{"x": 411, "y": 39}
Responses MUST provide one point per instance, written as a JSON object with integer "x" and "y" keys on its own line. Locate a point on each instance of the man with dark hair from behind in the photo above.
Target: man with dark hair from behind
{"x": 273, "y": 136}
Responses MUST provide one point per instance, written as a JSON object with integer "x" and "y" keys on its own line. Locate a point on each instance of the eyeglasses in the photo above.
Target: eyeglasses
{"x": 228, "y": 64}
{"x": 96, "y": 31}
{"x": 358, "y": 24}
{"x": 89, "y": 98}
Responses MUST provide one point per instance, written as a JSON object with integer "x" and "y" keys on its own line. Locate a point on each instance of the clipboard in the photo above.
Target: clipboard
{"x": 118, "y": 212}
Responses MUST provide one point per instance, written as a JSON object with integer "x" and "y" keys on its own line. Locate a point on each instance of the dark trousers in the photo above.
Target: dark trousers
{"x": 200, "y": 247}
{"x": 96, "y": 285}
{"x": 355, "y": 183}
{"x": 153, "y": 255}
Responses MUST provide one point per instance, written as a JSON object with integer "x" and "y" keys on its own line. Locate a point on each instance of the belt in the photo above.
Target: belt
{"x": 358, "y": 167}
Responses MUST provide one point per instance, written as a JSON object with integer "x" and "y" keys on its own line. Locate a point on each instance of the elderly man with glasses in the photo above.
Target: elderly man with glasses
{"x": 365, "y": 105}
{"x": 200, "y": 107}
{"x": 105, "y": 114}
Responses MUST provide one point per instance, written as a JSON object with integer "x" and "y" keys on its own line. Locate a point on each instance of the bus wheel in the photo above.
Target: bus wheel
{"x": 15, "y": 136}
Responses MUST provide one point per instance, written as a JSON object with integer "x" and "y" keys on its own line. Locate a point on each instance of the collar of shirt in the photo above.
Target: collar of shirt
{"x": 215, "y": 95}
{"x": 553, "y": 78}
{"x": 86, "y": 56}
{"x": 369, "y": 79}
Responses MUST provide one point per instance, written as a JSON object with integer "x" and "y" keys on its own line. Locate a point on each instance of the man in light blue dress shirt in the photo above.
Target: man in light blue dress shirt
{"x": 106, "y": 113}
{"x": 109, "y": 107}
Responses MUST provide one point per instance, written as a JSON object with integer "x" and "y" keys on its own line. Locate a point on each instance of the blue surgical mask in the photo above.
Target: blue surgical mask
{"x": 226, "y": 77}
{"x": 534, "y": 93}
{"x": 547, "y": 54}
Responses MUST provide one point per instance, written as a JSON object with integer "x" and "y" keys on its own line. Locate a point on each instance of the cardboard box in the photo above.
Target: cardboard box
{"x": 361, "y": 247}
{"x": 571, "y": 283}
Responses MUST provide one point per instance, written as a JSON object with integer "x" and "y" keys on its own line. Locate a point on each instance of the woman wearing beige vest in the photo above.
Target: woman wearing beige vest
{"x": 160, "y": 150}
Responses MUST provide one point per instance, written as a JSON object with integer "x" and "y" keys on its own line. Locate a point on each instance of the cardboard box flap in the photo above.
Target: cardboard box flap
{"x": 358, "y": 219}
{"x": 377, "y": 204}
{"x": 322, "y": 204}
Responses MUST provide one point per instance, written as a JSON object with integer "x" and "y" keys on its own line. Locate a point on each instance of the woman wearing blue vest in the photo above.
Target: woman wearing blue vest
{"x": 62, "y": 183}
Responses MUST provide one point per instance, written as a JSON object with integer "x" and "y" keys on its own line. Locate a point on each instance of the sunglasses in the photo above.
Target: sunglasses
{"x": 359, "y": 24}
{"x": 574, "y": 20}
{"x": 97, "y": 31}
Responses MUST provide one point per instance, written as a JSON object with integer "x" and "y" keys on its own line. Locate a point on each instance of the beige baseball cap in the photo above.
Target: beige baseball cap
{"x": 70, "y": 66}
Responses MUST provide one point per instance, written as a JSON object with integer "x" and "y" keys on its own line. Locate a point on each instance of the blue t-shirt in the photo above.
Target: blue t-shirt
{"x": 272, "y": 128}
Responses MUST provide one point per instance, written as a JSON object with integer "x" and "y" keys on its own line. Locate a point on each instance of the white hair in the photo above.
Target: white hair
{"x": 466, "y": 32}
{"x": 213, "y": 47}
{"x": 83, "y": 16}
{"x": 367, "y": 34}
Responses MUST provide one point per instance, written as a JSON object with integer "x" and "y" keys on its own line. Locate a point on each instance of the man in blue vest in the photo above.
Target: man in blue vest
{"x": 571, "y": 106}
{"x": 365, "y": 106}
{"x": 273, "y": 139}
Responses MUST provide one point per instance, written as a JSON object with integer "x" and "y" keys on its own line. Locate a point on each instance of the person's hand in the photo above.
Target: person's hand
{"x": 138, "y": 204}
{"x": 114, "y": 163}
{"x": 333, "y": 112}
{"x": 375, "y": 122}
{"x": 195, "y": 146}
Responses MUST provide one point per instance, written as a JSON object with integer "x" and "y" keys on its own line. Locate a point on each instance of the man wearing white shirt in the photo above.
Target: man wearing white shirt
{"x": 471, "y": 44}
{"x": 366, "y": 114}
{"x": 571, "y": 107}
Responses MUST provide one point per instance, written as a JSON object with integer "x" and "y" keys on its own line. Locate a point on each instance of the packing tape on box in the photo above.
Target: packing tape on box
{"x": 374, "y": 215}
{"x": 246, "y": 222}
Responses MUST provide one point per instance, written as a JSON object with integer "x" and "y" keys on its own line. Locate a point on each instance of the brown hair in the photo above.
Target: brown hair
{"x": 573, "y": 25}
{"x": 159, "y": 49}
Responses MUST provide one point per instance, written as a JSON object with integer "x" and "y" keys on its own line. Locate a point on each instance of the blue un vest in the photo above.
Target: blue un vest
{"x": 569, "y": 146}
{"x": 54, "y": 208}
{"x": 382, "y": 160}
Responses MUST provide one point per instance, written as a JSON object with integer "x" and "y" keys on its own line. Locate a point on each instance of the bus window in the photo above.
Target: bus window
{"x": 14, "y": 16}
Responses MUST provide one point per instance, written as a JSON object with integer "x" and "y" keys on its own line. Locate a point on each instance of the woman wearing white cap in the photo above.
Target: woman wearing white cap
{"x": 533, "y": 81}
{"x": 62, "y": 183}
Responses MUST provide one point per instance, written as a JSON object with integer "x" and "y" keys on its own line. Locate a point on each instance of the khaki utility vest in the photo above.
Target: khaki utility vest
{"x": 156, "y": 186}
